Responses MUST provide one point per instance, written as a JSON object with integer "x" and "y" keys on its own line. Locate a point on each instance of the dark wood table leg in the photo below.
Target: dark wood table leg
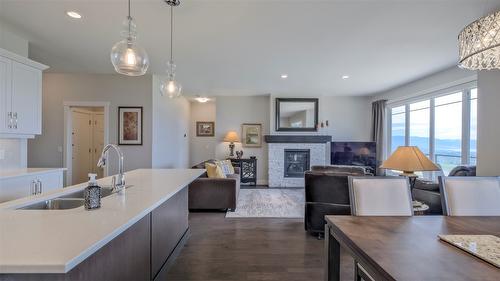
{"x": 332, "y": 251}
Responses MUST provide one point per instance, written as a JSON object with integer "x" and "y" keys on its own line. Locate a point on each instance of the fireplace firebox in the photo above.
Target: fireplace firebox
{"x": 296, "y": 162}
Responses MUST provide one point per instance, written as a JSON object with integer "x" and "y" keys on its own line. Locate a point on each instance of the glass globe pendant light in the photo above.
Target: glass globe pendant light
{"x": 127, "y": 57}
{"x": 170, "y": 87}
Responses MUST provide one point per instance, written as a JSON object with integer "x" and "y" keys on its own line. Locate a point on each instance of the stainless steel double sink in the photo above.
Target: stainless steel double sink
{"x": 67, "y": 201}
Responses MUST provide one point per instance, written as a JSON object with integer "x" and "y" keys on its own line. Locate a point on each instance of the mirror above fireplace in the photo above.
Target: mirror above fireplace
{"x": 296, "y": 114}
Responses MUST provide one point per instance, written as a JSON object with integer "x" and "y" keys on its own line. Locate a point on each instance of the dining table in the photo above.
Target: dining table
{"x": 407, "y": 248}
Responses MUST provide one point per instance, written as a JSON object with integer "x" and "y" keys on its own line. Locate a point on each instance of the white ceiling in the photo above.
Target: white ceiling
{"x": 241, "y": 47}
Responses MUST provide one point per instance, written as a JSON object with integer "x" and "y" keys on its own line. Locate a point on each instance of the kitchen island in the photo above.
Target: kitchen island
{"x": 133, "y": 236}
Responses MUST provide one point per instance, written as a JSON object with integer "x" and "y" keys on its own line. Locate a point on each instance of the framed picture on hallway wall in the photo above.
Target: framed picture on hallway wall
{"x": 205, "y": 129}
{"x": 130, "y": 125}
{"x": 252, "y": 135}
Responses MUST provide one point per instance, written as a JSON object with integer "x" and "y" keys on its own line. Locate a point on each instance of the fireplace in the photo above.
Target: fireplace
{"x": 296, "y": 162}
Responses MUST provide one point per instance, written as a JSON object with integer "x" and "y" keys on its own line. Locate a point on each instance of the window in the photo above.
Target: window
{"x": 448, "y": 132}
{"x": 398, "y": 127}
{"x": 438, "y": 127}
{"x": 473, "y": 127}
{"x": 420, "y": 125}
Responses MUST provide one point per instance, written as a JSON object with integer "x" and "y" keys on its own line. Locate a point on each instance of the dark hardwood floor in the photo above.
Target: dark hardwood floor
{"x": 249, "y": 249}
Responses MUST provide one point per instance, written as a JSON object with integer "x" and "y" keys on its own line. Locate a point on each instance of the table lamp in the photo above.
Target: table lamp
{"x": 231, "y": 137}
{"x": 409, "y": 159}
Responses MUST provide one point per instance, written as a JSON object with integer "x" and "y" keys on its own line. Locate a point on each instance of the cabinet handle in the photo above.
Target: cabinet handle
{"x": 9, "y": 116}
{"x": 33, "y": 187}
{"x": 15, "y": 120}
{"x": 40, "y": 187}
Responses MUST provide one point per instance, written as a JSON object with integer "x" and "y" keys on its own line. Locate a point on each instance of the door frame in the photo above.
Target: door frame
{"x": 67, "y": 162}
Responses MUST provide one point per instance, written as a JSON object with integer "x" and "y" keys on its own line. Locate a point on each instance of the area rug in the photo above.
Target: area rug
{"x": 269, "y": 203}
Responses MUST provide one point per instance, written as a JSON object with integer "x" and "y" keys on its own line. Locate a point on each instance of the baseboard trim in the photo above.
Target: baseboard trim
{"x": 262, "y": 182}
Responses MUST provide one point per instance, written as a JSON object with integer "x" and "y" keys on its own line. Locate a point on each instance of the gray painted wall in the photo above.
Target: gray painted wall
{"x": 119, "y": 90}
{"x": 170, "y": 145}
{"x": 11, "y": 41}
{"x": 231, "y": 112}
{"x": 349, "y": 118}
{"x": 488, "y": 132}
{"x": 201, "y": 148}
{"x": 13, "y": 151}
{"x": 444, "y": 79}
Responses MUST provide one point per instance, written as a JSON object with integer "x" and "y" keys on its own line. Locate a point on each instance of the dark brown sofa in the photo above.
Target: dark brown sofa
{"x": 214, "y": 194}
{"x": 428, "y": 191}
{"x": 327, "y": 193}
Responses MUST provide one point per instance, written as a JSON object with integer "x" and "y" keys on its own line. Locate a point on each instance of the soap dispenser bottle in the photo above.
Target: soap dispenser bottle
{"x": 92, "y": 194}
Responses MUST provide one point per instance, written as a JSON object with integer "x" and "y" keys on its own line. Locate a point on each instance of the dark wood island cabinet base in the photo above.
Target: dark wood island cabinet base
{"x": 144, "y": 251}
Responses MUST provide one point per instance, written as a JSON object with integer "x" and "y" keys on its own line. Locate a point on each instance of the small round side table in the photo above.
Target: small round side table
{"x": 419, "y": 208}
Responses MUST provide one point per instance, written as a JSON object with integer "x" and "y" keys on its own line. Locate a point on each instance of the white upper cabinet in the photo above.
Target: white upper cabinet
{"x": 21, "y": 96}
{"x": 5, "y": 93}
{"x": 26, "y": 99}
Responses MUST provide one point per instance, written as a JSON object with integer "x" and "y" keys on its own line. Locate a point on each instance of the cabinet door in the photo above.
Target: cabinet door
{"x": 15, "y": 188}
{"x": 5, "y": 94}
{"x": 169, "y": 222}
{"x": 26, "y": 99}
{"x": 50, "y": 181}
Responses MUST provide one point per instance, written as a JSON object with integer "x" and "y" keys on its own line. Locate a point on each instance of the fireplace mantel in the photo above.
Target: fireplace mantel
{"x": 297, "y": 139}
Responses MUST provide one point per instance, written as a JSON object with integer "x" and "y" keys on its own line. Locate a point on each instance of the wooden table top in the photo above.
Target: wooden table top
{"x": 407, "y": 248}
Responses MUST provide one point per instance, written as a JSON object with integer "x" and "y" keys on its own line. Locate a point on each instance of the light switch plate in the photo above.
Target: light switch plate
{"x": 2, "y": 154}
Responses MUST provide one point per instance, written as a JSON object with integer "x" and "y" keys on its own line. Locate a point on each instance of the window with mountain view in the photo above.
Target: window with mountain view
{"x": 398, "y": 127}
{"x": 448, "y": 132}
{"x": 473, "y": 127}
{"x": 420, "y": 125}
{"x": 436, "y": 126}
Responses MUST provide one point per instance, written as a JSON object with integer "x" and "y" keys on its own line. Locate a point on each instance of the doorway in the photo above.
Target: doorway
{"x": 86, "y": 134}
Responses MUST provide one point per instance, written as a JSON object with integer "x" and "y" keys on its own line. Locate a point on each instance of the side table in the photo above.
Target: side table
{"x": 248, "y": 169}
{"x": 419, "y": 208}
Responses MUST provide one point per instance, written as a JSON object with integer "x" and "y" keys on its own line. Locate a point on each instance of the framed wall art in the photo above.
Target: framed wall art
{"x": 130, "y": 125}
{"x": 252, "y": 135}
{"x": 205, "y": 129}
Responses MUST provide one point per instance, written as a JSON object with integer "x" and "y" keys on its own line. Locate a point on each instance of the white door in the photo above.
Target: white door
{"x": 5, "y": 94}
{"x": 98, "y": 141}
{"x": 26, "y": 99}
{"x": 81, "y": 144}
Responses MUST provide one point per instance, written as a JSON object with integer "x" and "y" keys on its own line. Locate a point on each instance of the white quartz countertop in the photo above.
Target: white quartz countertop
{"x": 12, "y": 173}
{"x": 55, "y": 241}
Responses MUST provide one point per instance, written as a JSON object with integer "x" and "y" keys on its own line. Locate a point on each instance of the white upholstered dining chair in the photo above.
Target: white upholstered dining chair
{"x": 380, "y": 196}
{"x": 470, "y": 196}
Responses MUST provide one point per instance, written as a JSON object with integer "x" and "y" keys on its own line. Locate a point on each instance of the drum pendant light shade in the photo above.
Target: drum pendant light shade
{"x": 479, "y": 44}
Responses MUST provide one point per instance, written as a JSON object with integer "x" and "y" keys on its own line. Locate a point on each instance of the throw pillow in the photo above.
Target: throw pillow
{"x": 214, "y": 171}
{"x": 226, "y": 166}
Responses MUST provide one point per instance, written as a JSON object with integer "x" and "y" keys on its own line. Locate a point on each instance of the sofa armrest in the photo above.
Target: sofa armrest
{"x": 212, "y": 193}
{"x": 426, "y": 185}
{"x": 214, "y": 181}
{"x": 237, "y": 170}
{"x": 235, "y": 176}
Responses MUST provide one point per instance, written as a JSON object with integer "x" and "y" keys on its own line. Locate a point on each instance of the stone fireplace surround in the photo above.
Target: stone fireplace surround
{"x": 317, "y": 145}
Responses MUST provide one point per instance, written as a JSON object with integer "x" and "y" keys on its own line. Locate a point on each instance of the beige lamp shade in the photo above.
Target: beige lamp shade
{"x": 232, "y": 136}
{"x": 409, "y": 159}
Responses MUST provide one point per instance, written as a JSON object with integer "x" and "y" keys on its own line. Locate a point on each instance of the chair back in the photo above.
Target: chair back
{"x": 380, "y": 196}
{"x": 470, "y": 196}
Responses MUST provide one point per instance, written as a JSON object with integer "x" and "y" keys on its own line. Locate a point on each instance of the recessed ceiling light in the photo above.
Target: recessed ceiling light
{"x": 345, "y": 77}
{"x": 202, "y": 99}
{"x": 73, "y": 14}
{"x": 284, "y": 76}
